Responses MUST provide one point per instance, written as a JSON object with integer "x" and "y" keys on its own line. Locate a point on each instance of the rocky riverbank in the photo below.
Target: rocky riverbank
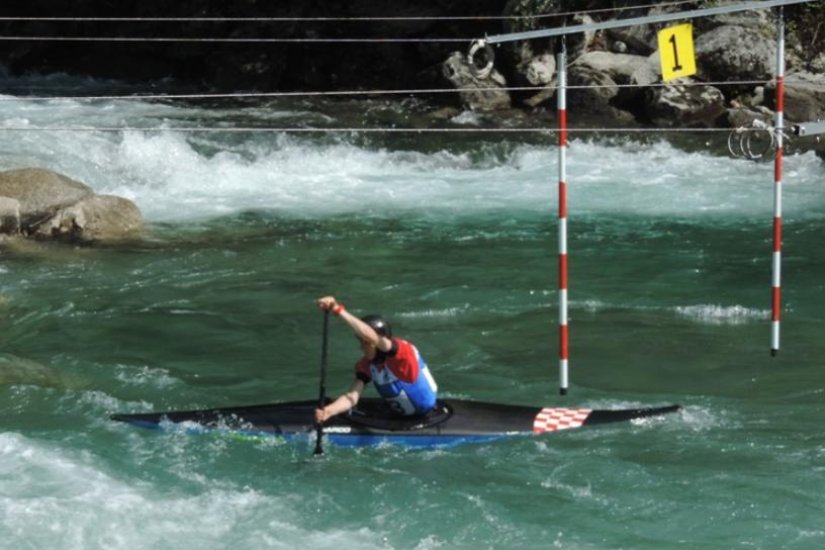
{"x": 619, "y": 68}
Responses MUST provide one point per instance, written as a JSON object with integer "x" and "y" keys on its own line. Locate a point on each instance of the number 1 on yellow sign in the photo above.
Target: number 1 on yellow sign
{"x": 676, "y": 51}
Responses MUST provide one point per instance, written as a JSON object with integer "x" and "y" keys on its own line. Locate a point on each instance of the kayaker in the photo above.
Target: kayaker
{"x": 393, "y": 365}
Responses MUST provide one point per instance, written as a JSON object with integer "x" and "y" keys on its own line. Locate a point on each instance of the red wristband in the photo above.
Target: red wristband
{"x": 338, "y": 308}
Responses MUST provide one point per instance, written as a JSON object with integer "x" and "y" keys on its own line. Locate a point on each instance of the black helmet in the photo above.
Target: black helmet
{"x": 378, "y": 324}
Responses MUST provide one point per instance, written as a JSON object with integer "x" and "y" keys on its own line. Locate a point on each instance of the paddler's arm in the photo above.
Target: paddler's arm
{"x": 362, "y": 330}
{"x": 344, "y": 403}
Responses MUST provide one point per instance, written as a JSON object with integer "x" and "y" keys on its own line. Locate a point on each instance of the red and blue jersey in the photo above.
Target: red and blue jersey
{"x": 401, "y": 377}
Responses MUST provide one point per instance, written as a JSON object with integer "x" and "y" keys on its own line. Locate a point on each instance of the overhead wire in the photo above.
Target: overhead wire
{"x": 352, "y": 130}
{"x": 260, "y": 40}
{"x": 290, "y": 40}
{"x": 355, "y": 93}
{"x": 297, "y": 19}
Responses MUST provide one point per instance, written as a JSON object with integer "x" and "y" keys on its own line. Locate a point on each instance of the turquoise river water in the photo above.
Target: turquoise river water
{"x": 454, "y": 237}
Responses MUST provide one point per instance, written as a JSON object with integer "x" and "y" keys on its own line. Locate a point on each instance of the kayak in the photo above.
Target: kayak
{"x": 451, "y": 422}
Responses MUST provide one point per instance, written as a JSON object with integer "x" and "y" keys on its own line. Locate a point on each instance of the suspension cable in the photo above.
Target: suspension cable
{"x": 355, "y": 93}
{"x": 80, "y": 19}
{"x": 299, "y": 130}
{"x": 265, "y": 40}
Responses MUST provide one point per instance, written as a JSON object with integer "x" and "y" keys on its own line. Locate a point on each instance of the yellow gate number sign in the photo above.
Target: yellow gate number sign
{"x": 676, "y": 51}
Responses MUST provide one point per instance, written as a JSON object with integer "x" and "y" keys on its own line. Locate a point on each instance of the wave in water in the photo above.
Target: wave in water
{"x": 713, "y": 314}
{"x": 174, "y": 175}
{"x": 90, "y": 508}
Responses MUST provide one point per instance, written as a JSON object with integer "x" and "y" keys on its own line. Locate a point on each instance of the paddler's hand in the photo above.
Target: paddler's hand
{"x": 321, "y": 416}
{"x": 329, "y": 303}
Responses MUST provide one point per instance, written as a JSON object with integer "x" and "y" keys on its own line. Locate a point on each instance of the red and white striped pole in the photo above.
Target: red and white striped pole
{"x": 776, "y": 279}
{"x": 561, "y": 96}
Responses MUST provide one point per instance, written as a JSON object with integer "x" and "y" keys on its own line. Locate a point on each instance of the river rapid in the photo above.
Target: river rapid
{"x": 454, "y": 237}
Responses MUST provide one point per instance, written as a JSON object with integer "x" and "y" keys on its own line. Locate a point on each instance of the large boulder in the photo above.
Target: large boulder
{"x": 732, "y": 52}
{"x": 647, "y": 73}
{"x": 685, "y": 106}
{"x": 591, "y": 97}
{"x": 40, "y": 193}
{"x": 479, "y": 92}
{"x": 620, "y": 67}
{"x": 50, "y": 205}
{"x": 591, "y": 87}
{"x": 744, "y": 117}
{"x": 97, "y": 218}
{"x": 804, "y": 96}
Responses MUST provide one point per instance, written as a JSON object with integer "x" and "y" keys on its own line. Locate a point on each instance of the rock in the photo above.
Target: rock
{"x": 647, "y": 73}
{"x": 529, "y": 56}
{"x": 9, "y": 216}
{"x": 804, "y": 96}
{"x": 541, "y": 97}
{"x": 541, "y": 70}
{"x": 51, "y": 205}
{"x": 740, "y": 117}
{"x": 16, "y": 370}
{"x": 98, "y": 218}
{"x": 443, "y": 114}
{"x": 41, "y": 193}
{"x": 598, "y": 88}
{"x": 758, "y": 96}
{"x": 576, "y": 48}
{"x": 685, "y": 106}
{"x": 594, "y": 103}
{"x": 640, "y": 39}
{"x": 522, "y": 17}
{"x": 761, "y": 21}
{"x": 732, "y": 52}
{"x": 818, "y": 64}
{"x": 477, "y": 94}
{"x": 620, "y": 67}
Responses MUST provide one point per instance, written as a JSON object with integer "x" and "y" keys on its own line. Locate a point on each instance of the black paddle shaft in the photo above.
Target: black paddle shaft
{"x": 322, "y": 397}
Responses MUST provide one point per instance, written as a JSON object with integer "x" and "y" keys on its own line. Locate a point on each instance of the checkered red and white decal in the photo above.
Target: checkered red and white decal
{"x": 551, "y": 420}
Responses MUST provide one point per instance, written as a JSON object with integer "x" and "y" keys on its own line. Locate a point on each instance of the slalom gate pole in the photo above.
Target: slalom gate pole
{"x": 776, "y": 279}
{"x": 561, "y": 97}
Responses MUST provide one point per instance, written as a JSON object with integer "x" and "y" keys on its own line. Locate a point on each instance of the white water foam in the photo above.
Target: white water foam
{"x": 145, "y": 376}
{"x": 709, "y": 314}
{"x": 723, "y": 315}
{"x": 173, "y": 175}
{"x": 52, "y": 498}
{"x": 698, "y": 418}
